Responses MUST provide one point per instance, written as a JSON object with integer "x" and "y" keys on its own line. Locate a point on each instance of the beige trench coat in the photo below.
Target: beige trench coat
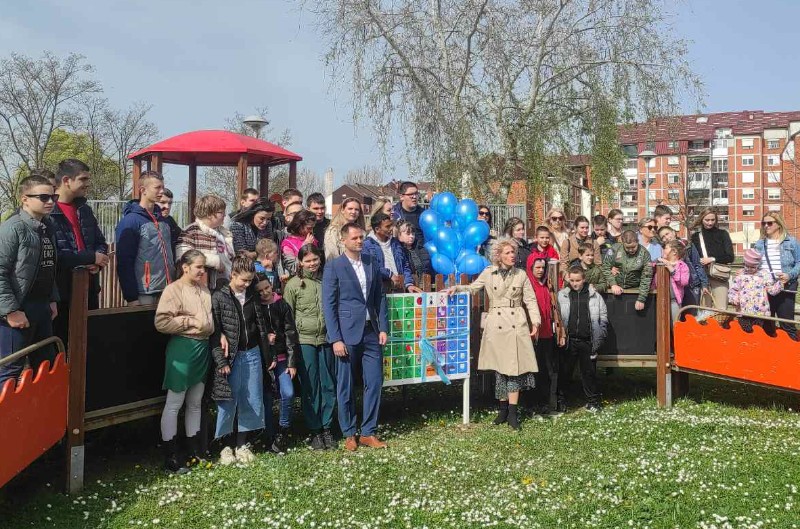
{"x": 506, "y": 345}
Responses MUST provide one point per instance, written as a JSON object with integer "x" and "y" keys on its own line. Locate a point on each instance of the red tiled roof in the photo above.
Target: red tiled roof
{"x": 687, "y": 127}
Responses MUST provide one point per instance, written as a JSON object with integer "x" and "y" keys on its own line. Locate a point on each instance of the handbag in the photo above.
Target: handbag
{"x": 717, "y": 271}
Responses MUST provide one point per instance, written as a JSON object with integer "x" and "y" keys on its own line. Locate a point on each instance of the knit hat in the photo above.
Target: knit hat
{"x": 752, "y": 257}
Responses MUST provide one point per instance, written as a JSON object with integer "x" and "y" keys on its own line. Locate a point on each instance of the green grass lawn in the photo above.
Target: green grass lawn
{"x": 726, "y": 457}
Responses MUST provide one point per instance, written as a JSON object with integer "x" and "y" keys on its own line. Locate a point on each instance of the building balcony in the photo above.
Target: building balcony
{"x": 719, "y": 202}
{"x": 722, "y": 143}
{"x": 719, "y": 179}
{"x": 703, "y": 152}
{"x": 628, "y": 203}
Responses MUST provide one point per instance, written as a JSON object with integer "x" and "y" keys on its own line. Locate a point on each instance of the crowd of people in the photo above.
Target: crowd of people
{"x": 264, "y": 300}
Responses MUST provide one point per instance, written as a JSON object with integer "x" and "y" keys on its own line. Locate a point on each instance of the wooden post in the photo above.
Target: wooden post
{"x": 263, "y": 184}
{"x": 241, "y": 175}
{"x": 663, "y": 331}
{"x": 465, "y": 390}
{"x": 76, "y": 349}
{"x": 192, "y": 194}
{"x": 293, "y": 175}
{"x": 137, "y": 173}
{"x": 155, "y": 161}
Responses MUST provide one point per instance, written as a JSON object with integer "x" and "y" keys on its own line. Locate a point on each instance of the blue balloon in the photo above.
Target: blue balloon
{"x": 446, "y": 206}
{"x": 462, "y": 253}
{"x": 470, "y": 263}
{"x": 442, "y": 264}
{"x": 486, "y": 262}
{"x": 429, "y": 223}
{"x": 447, "y": 242}
{"x": 431, "y": 247}
{"x": 475, "y": 233}
{"x": 435, "y": 201}
{"x": 466, "y": 212}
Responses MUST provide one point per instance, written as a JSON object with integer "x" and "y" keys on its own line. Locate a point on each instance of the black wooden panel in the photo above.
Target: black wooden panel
{"x": 630, "y": 332}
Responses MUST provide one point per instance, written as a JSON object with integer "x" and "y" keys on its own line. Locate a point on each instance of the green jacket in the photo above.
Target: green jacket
{"x": 635, "y": 271}
{"x": 596, "y": 278}
{"x": 305, "y": 298}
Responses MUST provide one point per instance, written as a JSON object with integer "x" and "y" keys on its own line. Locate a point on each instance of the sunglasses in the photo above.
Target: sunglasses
{"x": 556, "y": 218}
{"x": 483, "y": 213}
{"x": 45, "y": 197}
{"x": 649, "y": 227}
{"x": 767, "y": 222}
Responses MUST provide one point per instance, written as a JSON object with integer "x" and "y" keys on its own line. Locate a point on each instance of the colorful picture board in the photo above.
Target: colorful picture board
{"x": 443, "y": 320}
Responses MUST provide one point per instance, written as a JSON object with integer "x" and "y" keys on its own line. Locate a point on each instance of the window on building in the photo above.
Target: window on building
{"x": 748, "y": 178}
{"x": 773, "y": 144}
{"x": 631, "y": 163}
{"x": 672, "y": 144}
{"x": 652, "y": 163}
{"x": 632, "y": 183}
{"x": 748, "y": 160}
{"x": 748, "y": 193}
{"x": 673, "y": 194}
{"x": 774, "y": 194}
{"x": 748, "y": 211}
{"x": 773, "y": 159}
{"x": 719, "y": 193}
{"x": 673, "y": 178}
{"x": 722, "y": 133}
{"x": 652, "y": 194}
{"x": 773, "y": 177}
{"x": 673, "y": 160}
{"x": 747, "y": 143}
{"x": 697, "y": 144}
{"x": 719, "y": 165}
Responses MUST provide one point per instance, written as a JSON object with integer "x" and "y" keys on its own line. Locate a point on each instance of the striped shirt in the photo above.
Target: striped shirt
{"x": 774, "y": 256}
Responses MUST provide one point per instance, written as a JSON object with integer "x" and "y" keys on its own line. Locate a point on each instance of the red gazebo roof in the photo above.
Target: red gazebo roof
{"x": 217, "y": 147}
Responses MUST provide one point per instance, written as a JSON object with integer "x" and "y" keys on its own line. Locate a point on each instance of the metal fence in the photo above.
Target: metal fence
{"x": 502, "y": 212}
{"x": 109, "y": 213}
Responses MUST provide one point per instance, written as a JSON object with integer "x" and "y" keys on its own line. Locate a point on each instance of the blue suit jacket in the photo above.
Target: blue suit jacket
{"x": 343, "y": 302}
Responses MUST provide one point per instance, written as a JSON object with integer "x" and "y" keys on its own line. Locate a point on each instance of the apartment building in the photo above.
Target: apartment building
{"x": 737, "y": 162}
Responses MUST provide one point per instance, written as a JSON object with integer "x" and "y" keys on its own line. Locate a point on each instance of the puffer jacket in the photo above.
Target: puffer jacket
{"x": 69, "y": 256}
{"x": 598, "y": 314}
{"x": 635, "y": 271}
{"x": 20, "y": 249}
{"x": 145, "y": 263}
{"x": 281, "y": 322}
{"x": 304, "y": 295}
{"x": 226, "y": 309}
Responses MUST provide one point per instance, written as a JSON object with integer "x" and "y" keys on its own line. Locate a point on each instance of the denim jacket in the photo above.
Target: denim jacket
{"x": 790, "y": 255}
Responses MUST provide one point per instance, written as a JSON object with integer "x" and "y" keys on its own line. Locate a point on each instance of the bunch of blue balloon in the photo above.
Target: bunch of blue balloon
{"x": 453, "y": 234}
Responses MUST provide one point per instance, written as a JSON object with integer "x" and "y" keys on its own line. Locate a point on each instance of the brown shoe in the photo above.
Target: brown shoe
{"x": 350, "y": 444}
{"x": 371, "y": 441}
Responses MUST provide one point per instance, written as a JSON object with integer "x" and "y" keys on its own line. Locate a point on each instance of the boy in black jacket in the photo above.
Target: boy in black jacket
{"x": 240, "y": 349}
{"x": 283, "y": 338}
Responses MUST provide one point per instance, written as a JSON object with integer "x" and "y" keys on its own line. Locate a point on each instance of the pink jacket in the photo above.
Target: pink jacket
{"x": 679, "y": 279}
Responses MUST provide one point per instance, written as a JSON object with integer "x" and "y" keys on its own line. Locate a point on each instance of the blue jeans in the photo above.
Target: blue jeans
{"x": 12, "y": 340}
{"x": 367, "y": 358}
{"x": 286, "y": 387}
{"x": 247, "y": 388}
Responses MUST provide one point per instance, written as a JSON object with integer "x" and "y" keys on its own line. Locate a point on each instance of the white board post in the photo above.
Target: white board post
{"x": 465, "y": 412}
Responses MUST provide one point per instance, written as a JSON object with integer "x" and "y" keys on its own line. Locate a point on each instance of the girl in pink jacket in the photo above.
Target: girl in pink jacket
{"x": 672, "y": 259}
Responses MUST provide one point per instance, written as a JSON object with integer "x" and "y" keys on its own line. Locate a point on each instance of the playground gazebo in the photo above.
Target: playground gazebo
{"x": 215, "y": 148}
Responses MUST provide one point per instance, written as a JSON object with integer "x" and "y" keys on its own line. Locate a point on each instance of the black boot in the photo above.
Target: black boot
{"x": 195, "y": 455}
{"x": 171, "y": 461}
{"x": 502, "y": 415}
{"x": 280, "y": 441}
{"x": 513, "y": 419}
{"x": 327, "y": 438}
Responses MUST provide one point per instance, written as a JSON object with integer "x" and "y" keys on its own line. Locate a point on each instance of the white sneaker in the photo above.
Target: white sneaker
{"x": 244, "y": 455}
{"x": 226, "y": 457}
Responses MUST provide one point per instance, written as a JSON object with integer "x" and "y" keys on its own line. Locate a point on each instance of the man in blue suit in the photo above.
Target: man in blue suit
{"x": 355, "y": 316}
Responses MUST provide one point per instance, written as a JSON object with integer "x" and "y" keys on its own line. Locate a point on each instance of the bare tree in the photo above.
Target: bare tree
{"x": 37, "y": 96}
{"x": 521, "y": 78}
{"x": 367, "y": 174}
{"x": 125, "y": 132}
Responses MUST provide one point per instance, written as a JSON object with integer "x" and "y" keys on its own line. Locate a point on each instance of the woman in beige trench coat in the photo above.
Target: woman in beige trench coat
{"x": 506, "y": 346}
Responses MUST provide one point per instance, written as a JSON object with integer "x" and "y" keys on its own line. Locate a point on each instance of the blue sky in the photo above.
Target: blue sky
{"x": 198, "y": 62}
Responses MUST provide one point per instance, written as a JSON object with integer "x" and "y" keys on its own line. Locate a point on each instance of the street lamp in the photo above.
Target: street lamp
{"x": 647, "y": 156}
{"x": 255, "y": 123}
